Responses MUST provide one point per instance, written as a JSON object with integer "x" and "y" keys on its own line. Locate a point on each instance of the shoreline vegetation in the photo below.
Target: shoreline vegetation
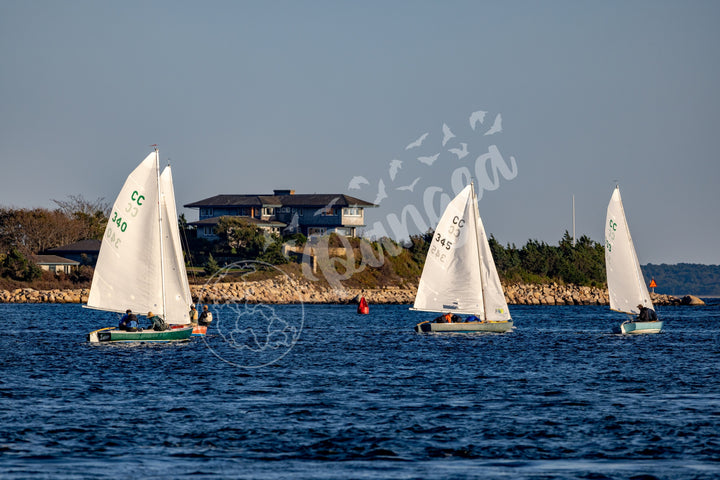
{"x": 289, "y": 290}
{"x": 328, "y": 269}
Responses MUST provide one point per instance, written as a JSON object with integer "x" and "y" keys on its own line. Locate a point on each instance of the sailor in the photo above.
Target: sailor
{"x": 447, "y": 318}
{"x": 156, "y": 323}
{"x": 646, "y": 314}
{"x": 205, "y": 317}
{"x": 128, "y": 322}
{"x": 193, "y": 315}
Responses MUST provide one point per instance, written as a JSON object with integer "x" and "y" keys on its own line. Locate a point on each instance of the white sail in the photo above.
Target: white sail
{"x": 140, "y": 266}
{"x": 127, "y": 273}
{"x": 496, "y": 308}
{"x": 177, "y": 290}
{"x": 450, "y": 280}
{"x": 626, "y": 285}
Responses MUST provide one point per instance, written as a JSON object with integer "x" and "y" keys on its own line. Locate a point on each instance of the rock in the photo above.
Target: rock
{"x": 692, "y": 300}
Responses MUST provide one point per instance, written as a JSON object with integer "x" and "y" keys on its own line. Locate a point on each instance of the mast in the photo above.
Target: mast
{"x": 476, "y": 215}
{"x": 573, "y": 205}
{"x": 160, "y": 220}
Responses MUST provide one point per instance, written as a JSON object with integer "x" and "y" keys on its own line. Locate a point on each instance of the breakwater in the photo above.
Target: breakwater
{"x": 285, "y": 290}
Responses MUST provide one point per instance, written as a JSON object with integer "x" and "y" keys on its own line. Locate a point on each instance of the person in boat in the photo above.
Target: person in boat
{"x": 193, "y": 315}
{"x": 646, "y": 314}
{"x": 128, "y": 322}
{"x": 472, "y": 318}
{"x": 205, "y": 317}
{"x": 447, "y": 318}
{"x": 156, "y": 323}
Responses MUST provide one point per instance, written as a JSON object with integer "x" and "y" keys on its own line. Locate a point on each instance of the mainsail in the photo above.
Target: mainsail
{"x": 459, "y": 275}
{"x": 626, "y": 285}
{"x": 133, "y": 271}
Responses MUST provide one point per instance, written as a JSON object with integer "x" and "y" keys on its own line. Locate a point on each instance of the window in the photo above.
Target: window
{"x": 206, "y": 212}
{"x": 328, "y": 212}
{"x": 267, "y": 211}
{"x": 352, "y": 211}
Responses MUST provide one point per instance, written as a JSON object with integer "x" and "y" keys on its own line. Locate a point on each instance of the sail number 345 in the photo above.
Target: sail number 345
{"x": 441, "y": 243}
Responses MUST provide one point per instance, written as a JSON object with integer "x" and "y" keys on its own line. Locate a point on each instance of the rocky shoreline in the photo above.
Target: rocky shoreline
{"x": 285, "y": 291}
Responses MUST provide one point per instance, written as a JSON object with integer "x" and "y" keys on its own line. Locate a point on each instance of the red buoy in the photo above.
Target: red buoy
{"x": 363, "y": 307}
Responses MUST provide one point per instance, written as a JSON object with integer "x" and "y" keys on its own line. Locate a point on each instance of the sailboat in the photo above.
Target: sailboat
{"x": 626, "y": 287}
{"x": 459, "y": 276}
{"x": 140, "y": 266}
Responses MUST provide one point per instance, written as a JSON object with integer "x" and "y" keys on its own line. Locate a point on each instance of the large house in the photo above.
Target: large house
{"x": 285, "y": 212}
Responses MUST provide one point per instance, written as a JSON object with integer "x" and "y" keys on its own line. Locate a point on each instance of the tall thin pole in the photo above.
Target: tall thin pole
{"x": 573, "y": 205}
{"x": 476, "y": 215}
{"x": 160, "y": 221}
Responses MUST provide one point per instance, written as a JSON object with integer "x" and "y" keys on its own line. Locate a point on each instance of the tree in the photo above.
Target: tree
{"x": 16, "y": 266}
{"x": 273, "y": 253}
{"x": 32, "y": 231}
{"x": 238, "y": 235}
{"x": 92, "y": 216}
{"x": 211, "y": 266}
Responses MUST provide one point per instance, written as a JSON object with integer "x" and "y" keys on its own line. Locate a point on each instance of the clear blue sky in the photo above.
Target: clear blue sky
{"x": 248, "y": 96}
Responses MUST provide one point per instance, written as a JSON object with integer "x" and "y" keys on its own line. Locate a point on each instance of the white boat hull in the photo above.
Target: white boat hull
{"x": 460, "y": 327}
{"x": 641, "y": 327}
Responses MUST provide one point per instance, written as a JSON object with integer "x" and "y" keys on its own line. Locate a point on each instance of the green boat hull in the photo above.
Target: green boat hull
{"x": 108, "y": 335}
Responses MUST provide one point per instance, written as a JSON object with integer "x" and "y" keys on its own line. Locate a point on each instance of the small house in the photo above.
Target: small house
{"x": 84, "y": 251}
{"x": 55, "y": 263}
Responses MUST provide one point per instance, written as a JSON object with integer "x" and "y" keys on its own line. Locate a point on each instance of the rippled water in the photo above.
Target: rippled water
{"x": 364, "y": 397}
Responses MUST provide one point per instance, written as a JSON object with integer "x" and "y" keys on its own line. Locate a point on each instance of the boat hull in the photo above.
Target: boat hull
{"x": 460, "y": 327}
{"x": 641, "y": 327}
{"x": 113, "y": 335}
{"x": 199, "y": 330}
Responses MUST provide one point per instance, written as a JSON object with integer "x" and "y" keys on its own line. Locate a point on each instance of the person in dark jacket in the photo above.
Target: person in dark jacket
{"x": 205, "y": 317}
{"x": 646, "y": 314}
{"x": 128, "y": 322}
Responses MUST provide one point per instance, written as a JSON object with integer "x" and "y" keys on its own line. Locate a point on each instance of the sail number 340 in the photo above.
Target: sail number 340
{"x": 446, "y": 242}
{"x": 136, "y": 201}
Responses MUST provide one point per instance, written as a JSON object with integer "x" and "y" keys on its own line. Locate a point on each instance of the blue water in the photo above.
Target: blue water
{"x": 339, "y": 395}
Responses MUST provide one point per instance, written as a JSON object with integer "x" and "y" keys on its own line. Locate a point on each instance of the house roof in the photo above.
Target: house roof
{"x": 254, "y": 221}
{"x": 313, "y": 200}
{"x": 83, "y": 246}
{"x": 52, "y": 260}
